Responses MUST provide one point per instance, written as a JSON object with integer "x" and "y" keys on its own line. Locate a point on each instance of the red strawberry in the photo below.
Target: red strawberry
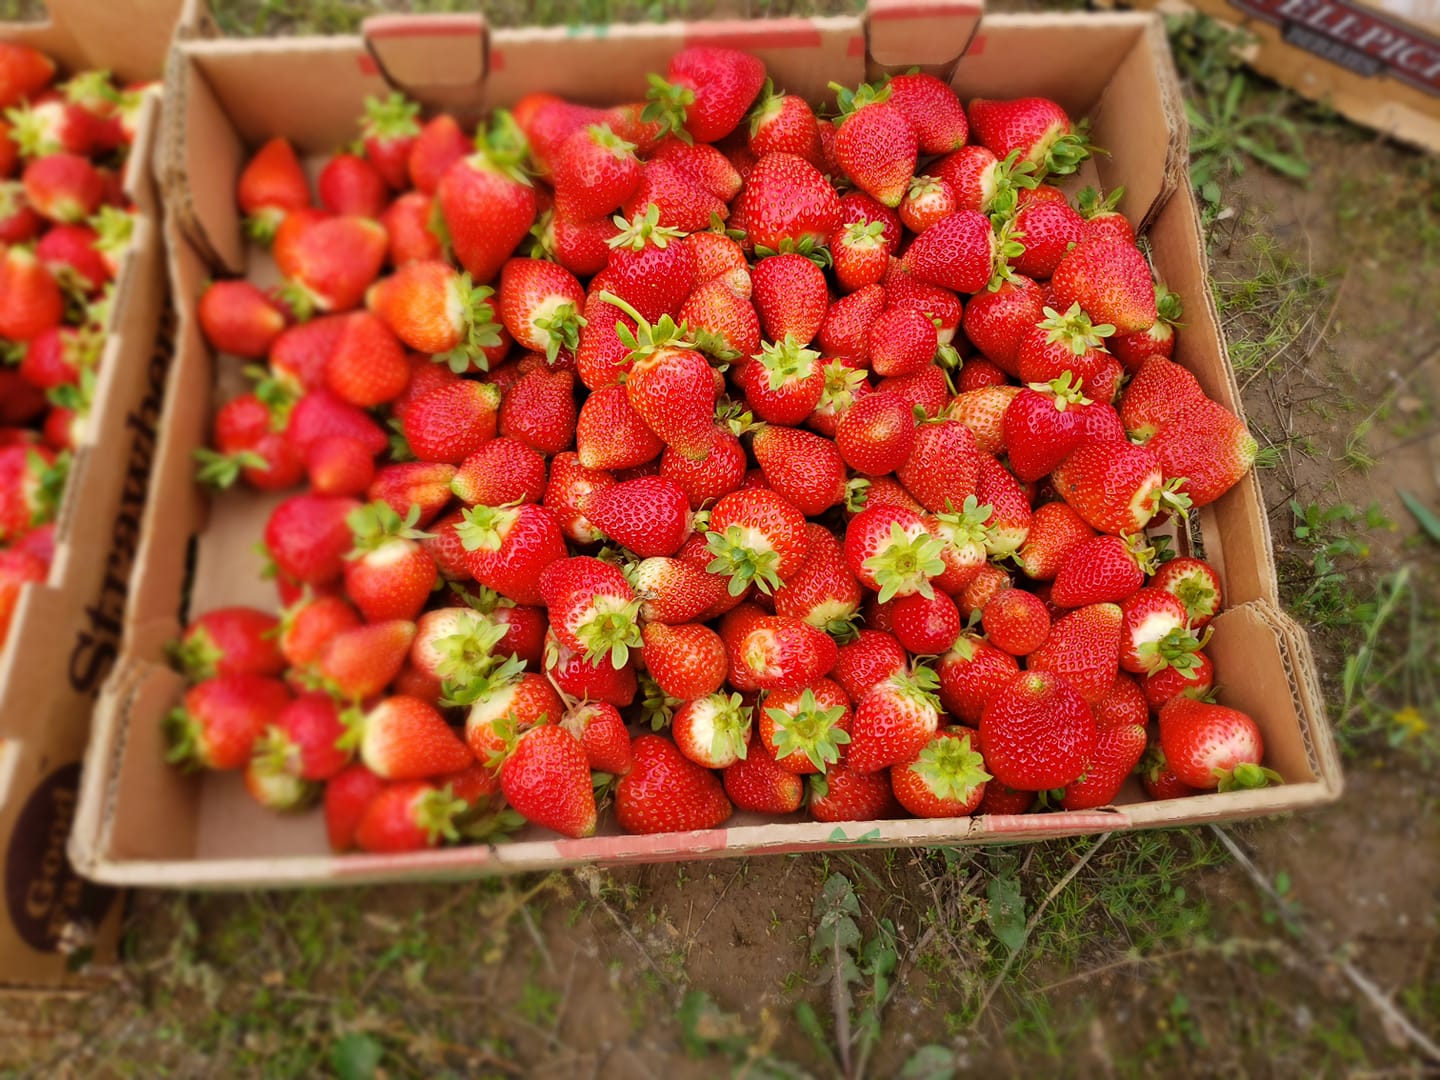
{"x": 856, "y": 206}
{"x": 649, "y": 267}
{"x": 665, "y": 792}
{"x": 783, "y": 383}
{"x": 270, "y": 186}
{"x": 30, "y": 300}
{"x": 963, "y": 536}
{"x": 539, "y": 410}
{"x": 540, "y": 304}
{"x": 438, "y": 146}
{"x": 502, "y": 471}
{"x": 1194, "y": 680}
{"x": 687, "y": 661}
{"x": 804, "y": 469}
{"x": 705, "y": 165}
{"x": 982, "y": 410}
{"x": 941, "y": 306}
{"x": 388, "y": 575}
{"x": 1116, "y": 487}
{"x": 582, "y": 247}
{"x": 756, "y": 536}
{"x": 1048, "y": 230}
{"x": 1043, "y": 425}
{"x": 890, "y": 549}
{"x": 971, "y": 672}
{"x": 867, "y": 661}
{"x": 709, "y": 480}
{"x": 844, "y": 794}
{"x": 649, "y": 516}
{"x": 18, "y": 568}
{"x": 790, "y": 296}
{"x": 347, "y": 796}
{"x": 229, "y": 641}
{"x": 329, "y": 262}
{"x": 421, "y": 484}
{"x": 308, "y": 535}
{"x": 359, "y": 663}
{"x": 1197, "y": 586}
{"x": 1100, "y": 570}
{"x": 508, "y": 548}
{"x": 389, "y": 130}
{"x": 1158, "y": 779}
{"x": 451, "y": 423}
{"x": 928, "y": 199}
{"x": 72, "y": 255}
{"x": 877, "y": 434}
{"x": 548, "y": 121}
{"x": 593, "y": 172}
{"x": 1206, "y": 450}
{"x": 894, "y": 721}
{"x": 594, "y": 681}
{"x": 1154, "y": 634}
{"x": 680, "y": 200}
{"x": 843, "y": 383}
{"x": 602, "y": 735}
{"x": 1110, "y": 280}
{"x": 1138, "y": 346}
{"x": 63, "y": 187}
{"x": 1037, "y": 732}
{"x": 432, "y": 309}
{"x": 303, "y": 743}
{"x": 781, "y": 653}
{"x": 238, "y": 318}
{"x": 628, "y": 122}
{"x": 875, "y": 145}
{"x": 860, "y": 253}
{"x": 758, "y": 783}
{"x": 845, "y": 330}
{"x": 707, "y": 91}
{"x": 1118, "y": 749}
{"x": 18, "y": 222}
{"x": 24, "y": 72}
{"x": 1055, "y": 530}
{"x": 1158, "y": 393}
{"x": 504, "y": 704}
{"x": 487, "y": 205}
{"x": 593, "y": 609}
{"x": 1037, "y": 127}
{"x": 1008, "y": 525}
{"x": 783, "y": 123}
{"x": 957, "y": 252}
{"x": 925, "y": 625}
{"x": 944, "y": 467}
{"x": 349, "y": 184}
{"x": 723, "y": 322}
{"x": 822, "y": 592}
{"x": 902, "y": 341}
{"x": 1016, "y": 621}
{"x": 307, "y": 627}
{"x": 1084, "y": 648}
{"x": 673, "y": 390}
{"x": 713, "y": 731}
{"x": 932, "y": 109}
{"x": 673, "y": 592}
{"x": 1212, "y": 746}
{"x": 984, "y": 182}
{"x": 367, "y": 366}
{"x": 716, "y": 255}
{"x": 408, "y": 816}
{"x": 220, "y": 720}
{"x": 406, "y": 222}
{"x": 805, "y": 729}
{"x": 945, "y": 779}
{"x": 546, "y": 779}
{"x": 569, "y": 484}
{"x": 788, "y": 206}
{"x": 1123, "y": 703}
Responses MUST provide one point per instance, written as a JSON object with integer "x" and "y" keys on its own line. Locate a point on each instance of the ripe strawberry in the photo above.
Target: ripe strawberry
{"x": 359, "y": 663}
{"x": 1158, "y": 393}
{"x": 593, "y": 681}
{"x": 1197, "y": 586}
{"x": 1048, "y": 230}
{"x": 843, "y": 383}
{"x": 593, "y": 610}
{"x": 539, "y": 410}
{"x": 539, "y": 303}
{"x": 707, "y": 92}
{"x": 783, "y": 383}
{"x": 349, "y": 184}
{"x": 782, "y": 653}
{"x": 18, "y": 222}
{"x": 957, "y": 252}
{"x": 403, "y": 738}
{"x": 238, "y": 318}
{"x": 710, "y": 169}
{"x": 843, "y": 794}
{"x": 1069, "y": 343}
{"x": 925, "y": 625}
{"x": 944, "y": 467}
{"x": 270, "y": 186}
{"x": 758, "y": 783}
{"x": 1195, "y": 679}
{"x": 650, "y": 267}
{"x": 569, "y": 484}
{"x": 602, "y": 735}
{"x": 437, "y": 147}
{"x": 890, "y": 549}
{"x": 308, "y": 535}
{"x": 822, "y": 592}
{"x": 713, "y": 731}
{"x": 408, "y": 816}
{"x": 367, "y": 366}
{"x": 63, "y": 187}
{"x": 946, "y": 779}
{"x": 297, "y": 356}
{"x": 1116, "y": 487}
{"x": 1016, "y": 621}
{"x": 756, "y": 536}
{"x": 1158, "y": 779}
{"x": 860, "y": 254}
{"x": 870, "y": 659}
{"x": 962, "y": 535}
{"x": 875, "y": 145}
{"x": 30, "y": 300}
{"x": 451, "y": 423}
{"x": 1037, "y": 732}
{"x": 1155, "y": 634}
{"x": 329, "y": 262}
{"x": 432, "y": 309}
{"x": 18, "y": 568}
{"x": 687, "y": 661}
{"x": 347, "y": 796}
{"x": 673, "y": 390}
{"x": 547, "y": 121}
{"x": 681, "y": 201}
{"x": 982, "y": 410}
{"x": 387, "y": 574}
{"x": 902, "y": 341}
{"x": 711, "y": 479}
{"x": 928, "y": 199}
{"x": 406, "y": 222}
{"x": 1212, "y": 746}
{"x": 1055, "y": 530}
{"x": 1138, "y": 346}
{"x": 804, "y": 469}
{"x": 790, "y": 296}
{"x": 1084, "y": 647}
{"x": 546, "y": 779}
{"x": 1110, "y": 280}
{"x": 932, "y": 109}
{"x": 1123, "y": 703}
{"x": 649, "y": 516}
{"x": 593, "y": 172}
{"x": 722, "y": 321}
{"x": 72, "y": 255}
{"x": 487, "y": 205}
{"x": 220, "y": 720}
{"x": 845, "y": 330}
{"x": 894, "y": 721}
{"x": 57, "y": 357}
{"x": 788, "y": 206}
{"x": 24, "y": 72}
{"x": 422, "y": 484}
{"x": 504, "y": 704}
{"x": 1037, "y": 127}
{"x": 784, "y": 123}
{"x": 581, "y": 247}
{"x": 507, "y": 548}
{"x": 1008, "y": 525}
{"x": 307, "y": 627}
{"x": 1102, "y": 569}
{"x": 1118, "y": 750}
{"x": 1043, "y": 425}
{"x": 1206, "y": 448}
{"x": 229, "y": 641}
{"x": 805, "y": 729}
{"x": 970, "y": 674}
{"x": 388, "y": 131}
{"x": 903, "y": 289}
{"x": 502, "y": 471}
{"x": 877, "y": 434}
{"x": 666, "y": 792}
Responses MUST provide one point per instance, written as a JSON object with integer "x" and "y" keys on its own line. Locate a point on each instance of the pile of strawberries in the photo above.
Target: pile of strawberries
{"x": 689, "y": 440}
{"x": 65, "y": 224}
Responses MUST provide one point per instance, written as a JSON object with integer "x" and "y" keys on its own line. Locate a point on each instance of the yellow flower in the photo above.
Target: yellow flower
{"x": 1410, "y": 722}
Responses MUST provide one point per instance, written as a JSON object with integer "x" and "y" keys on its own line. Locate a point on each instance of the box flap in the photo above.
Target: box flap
{"x": 438, "y": 60}
{"x": 927, "y": 33}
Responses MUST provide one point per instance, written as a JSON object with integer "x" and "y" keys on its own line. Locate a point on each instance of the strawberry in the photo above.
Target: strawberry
{"x": 403, "y": 738}
{"x": 238, "y": 318}
{"x": 1206, "y": 449}
{"x": 1195, "y": 679}
{"x": 687, "y": 661}
{"x": 894, "y": 721}
{"x": 1037, "y": 732}
{"x": 421, "y": 484}
{"x": 72, "y": 255}
{"x": 359, "y": 663}
{"x": 270, "y": 186}
{"x": 1123, "y": 703}
{"x": 957, "y": 252}
{"x": 1212, "y": 746}
{"x": 30, "y": 300}
{"x": 1058, "y": 344}
{"x": 788, "y": 206}
{"x": 981, "y": 181}
{"x": 407, "y": 816}
{"x": 297, "y": 356}
{"x": 18, "y": 222}
{"x": 706, "y": 93}
{"x": 1008, "y": 525}
{"x": 673, "y": 591}
{"x": 1158, "y": 779}
{"x": 593, "y": 610}
{"x": 902, "y": 341}
{"x": 843, "y": 383}
{"x": 715, "y": 255}
{"x": 347, "y": 796}
{"x": 783, "y": 653}
{"x": 705, "y": 165}
{"x": 680, "y": 200}
{"x": 1016, "y": 621}
{"x": 757, "y": 782}
{"x": 508, "y": 547}
{"x": 602, "y": 734}
{"x": 486, "y": 203}
{"x": 944, "y": 467}
{"x": 1102, "y": 569}
{"x": 505, "y": 703}
{"x": 933, "y": 110}
{"x": 941, "y": 306}
{"x": 539, "y": 410}
{"x": 877, "y": 434}
{"x": 875, "y": 144}
{"x": 546, "y": 779}
{"x": 569, "y": 484}
{"x": 649, "y": 516}
{"x": 804, "y": 469}
{"x": 547, "y": 121}
{"x": 870, "y": 659}
{"x": 963, "y": 535}
{"x": 329, "y": 262}
{"x": 582, "y": 247}
{"x": 627, "y": 121}
{"x": 926, "y": 391}
{"x": 722, "y": 321}
{"x": 845, "y": 330}
{"x": 790, "y": 296}
{"x": 1084, "y": 648}
{"x": 928, "y": 199}
{"x": 349, "y": 184}
{"x": 387, "y": 574}
{"x": 672, "y": 388}
{"x": 1116, "y": 487}
{"x": 666, "y": 792}
{"x": 856, "y": 206}
{"x": 594, "y": 681}
{"x": 437, "y": 147}
{"x": 457, "y": 645}
{"x": 388, "y": 132}
{"x": 890, "y": 549}
{"x": 539, "y": 303}
{"x": 229, "y": 641}
{"x": 822, "y": 592}
{"x": 756, "y": 536}
{"x": 783, "y": 123}
{"x": 783, "y": 382}
{"x": 1055, "y": 530}
{"x": 1118, "y": 750}
{"x": 307, "y": 627}
{"x": 1036, "y": 127}
{"x": 1048, "y": 230}
{"x": 1197, "y": 586}
{"x": 1110, "y": 280}
{"x": 1043, "y": 425}
{"x": 650, "y": 266}
{"x": 63, "y": 187}
{"x": 24, "y": 72}
{"x": 56, "y": 357}
{"x": 367, "y": 366}
{"x": 713, "y": 731}
{"x": 805, "y": 729}
{"x": 844, "y": 794}
{"x": 593, "y": 172}
{"x": 501, "y": 471}
{"x": 406, "y": 222}
{"x": 711, "y": 479}
{"x": 220, "y": 720}
{"x": 925, "y": 625}
{"x": 1158, "y": 340}
{"x": 970, "y": 674}
{"x": 945, "y": 779}
{"x": 308, "y": 535}
{"x": 451, "y": 423}
{"x": 1158, "y": 393}
{"x": 982, "y": 410}
{"x": 1154, "y": 633}
{"x": 432, "y": 309}
{"x": 860, "y": 254}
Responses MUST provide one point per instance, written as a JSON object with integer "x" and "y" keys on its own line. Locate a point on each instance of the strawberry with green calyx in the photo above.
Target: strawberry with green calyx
{"x": 983, "y": 182}
{"x": 706, "y": 92}
{"x": 1196, "y": 679}
{"x": 545, "y": 776}
{"x": 1158, "y": 779}
{"x": 1009, "y": 522}
{"x": 504, "y": 706}
{"x": 722, "y": 323}
{"x": 713, "y": 731}
{"x": 657, "y": 708}
{"x": 1118, "y": 749}
{"x": 593, "y": 610}
{"x": 946, "y": 779}
{"x": 758, "y": 783}
{"x": 229, "y": 641}
{"x": 1204, "y": 451}
{"x": 388, "y": 132}
{"x": 270, "y": 186}
{"x": 486, "y": 201}
{"x": 1116, "y": 487}
{"x": 432, "y": 309}
{"x": 1196, "y": 584}
{"x": 1055, "y": 530}
{"x": 220, "y": 719}
{"x": 1043, "y": 424}
{"x": 507, "y": 548}
{"x": 304, "y": 741}
{"x": 539, "y": 303}
{"x": 894, "y": 720}
{"x": 823, "y": 592}
{"x": 787, "y": 206}
{"x": 845, "y": 794}
{"x": 593, "y": 172}
{"x": 650, "y": 266}
{"x": 860, "y": 254}
{"x": 1102, "y": 220}
{"x": 806, "y": 729}
{"x": 602, "y": 734}
{"x": 928, "y": 199}
{"x": 1135, "y": 348}
{"x": 783, "y": 382}
{"x": 874, "y": 142}
{"x": 666, "y": 792}
{"x": 1036, "y": 127}
{"x": 408, "y": 816}
{"x": 783, "y": 653}
{"x": 649, "y": 515}
{"x": 963, "y": 535}
{"x": 970, "y": 673}
{"x": 844, "y": 383}
{"x": 403, "y": 738}
{"x": 387, "y": 574}
{"x": 1155, "y": 634}
{"x": 785, "y": 123}
{"x": 1213, "y": 747}
{"x": 1102, "y": 569}
{"x": 457, "y": 646}
{"x": 328, "y": 261}
{"x": 890, "y": 550}
{"x": 755, "y": 536}
{"x": 32, "y": 480}
{"x": 1069, "y": 343}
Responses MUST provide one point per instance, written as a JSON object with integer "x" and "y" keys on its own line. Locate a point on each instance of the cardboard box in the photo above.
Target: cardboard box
{"x": 67, "y": 632}
{"x": 141, "y": 822}
{"x": 1376, "y": 62}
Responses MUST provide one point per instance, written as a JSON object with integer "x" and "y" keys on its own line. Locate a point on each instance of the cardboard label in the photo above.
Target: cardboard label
{"x": 1355, "y": 37}
{"x": 43, "y": 894}
{"x": 97, "y": 641}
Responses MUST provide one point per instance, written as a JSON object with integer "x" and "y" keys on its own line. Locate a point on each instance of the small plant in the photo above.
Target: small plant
{"x": 1225, "y": 134}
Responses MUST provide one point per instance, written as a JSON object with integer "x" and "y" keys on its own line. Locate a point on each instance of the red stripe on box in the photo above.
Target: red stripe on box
{"x": 856, "y": 46}
{"x": 659, "y": 844}
{"x": 925, "y": 11}
{"x": 756, "y": 34}
{"x": 496, "y": 61}
{"x": 366, "y": 63}
{"x": 977, "y": 45}
{"x": 401, "y": 26}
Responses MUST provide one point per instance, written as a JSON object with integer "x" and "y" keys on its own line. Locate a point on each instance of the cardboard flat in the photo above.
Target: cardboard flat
{"x": 67, "y": 632}
{"x": 140, "y": 822}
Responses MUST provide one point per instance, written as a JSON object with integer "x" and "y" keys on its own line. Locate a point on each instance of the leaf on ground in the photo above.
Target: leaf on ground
{"x": 705, "y": 1026}
{"x": 1006, "y": 911}
{"x": 356, "y": 1056}
{"x": 1423, "y": 514}
{"x": 930, "y": 1063}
